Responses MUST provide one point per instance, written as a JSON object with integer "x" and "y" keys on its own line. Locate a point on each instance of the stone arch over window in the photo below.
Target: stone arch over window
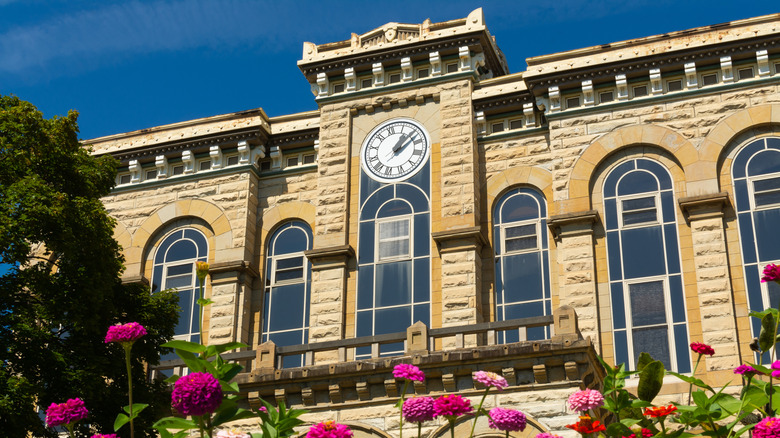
{"x": 275, "y": 216}
{"x": 598, "y": 151}
{"x": 496, "y": 185}
{"x": 210, "y": 213}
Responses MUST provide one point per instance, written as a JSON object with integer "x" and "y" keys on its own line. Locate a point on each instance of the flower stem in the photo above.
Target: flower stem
{"x": 741, "y": 405}
{"x": 401, "y": 408}
{"x": 128, "y": 346}
{"x": 419, "y": 429}
{"x": 479, "y": 412}
{"x": 69, "y": 426}
{"x": 452, "y": 427}
{"x": 200, "y": 312}
{"x": 690, "y": 385}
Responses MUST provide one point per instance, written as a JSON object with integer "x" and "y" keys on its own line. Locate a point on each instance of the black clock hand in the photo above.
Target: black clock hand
{"x": 400, "y": 142}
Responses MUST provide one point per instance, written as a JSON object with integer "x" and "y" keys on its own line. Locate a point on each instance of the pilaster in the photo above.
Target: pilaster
{"x": 231, "y": 291}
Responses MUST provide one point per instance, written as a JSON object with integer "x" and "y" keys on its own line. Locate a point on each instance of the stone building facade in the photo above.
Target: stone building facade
{"x": 620, "y": 198}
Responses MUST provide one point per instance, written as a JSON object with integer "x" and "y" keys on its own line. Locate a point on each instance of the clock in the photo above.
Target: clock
{"x": 395, "y": 150}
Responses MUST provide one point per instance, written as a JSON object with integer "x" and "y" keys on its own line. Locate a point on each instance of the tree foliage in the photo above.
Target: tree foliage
{"x": 63, "y": 288}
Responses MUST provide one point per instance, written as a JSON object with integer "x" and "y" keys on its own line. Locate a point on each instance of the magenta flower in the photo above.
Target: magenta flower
{"x": 489, "y": 379}
{"x": 408, "y": 372}
{"x": 700, "y": 348}
{"x": 767, "y": 428}
{"x": 66, "y": 413}
{"x": 585, "y": 400}
{"x": 451, "y": 406}
{"x": 508, "y": 420}
{"x": 547, "y": 435}
{"x": 418, "y": 409}
{"x": 196, "y": 394}
{"x": 775, "y": 368}
{"x": 130, "y": 332}
{"x": 771, "y": 273}
{"x": 329, "y": 429}
{"x": 746, "y": 370}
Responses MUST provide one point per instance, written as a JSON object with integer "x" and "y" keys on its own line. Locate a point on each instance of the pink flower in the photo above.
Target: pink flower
{"x": 489, "y": 379}
{"x": 700, "y": 348}
{"x": 547, "y": 435}
{"x": 451, "y": 406}
{"x": 745, "y": 369}
{"x": 196, "y": 394}
{"x": 69, "y": 412}
{"x": 232, "y": 433}
{"x": 108, "y": 435}
{"x": 408, "y": 372}
{"x": 646, "y": 433}
{"x": 506, "y": 420}
{"x": 418, "y": 409}
{"x": 329, "y": 429}
{"x": 582, "y": 401}
{"x": 767, "y": 428}
{"x": 775, "y": 368}
{"x": 130, "y": 332}
{"x": 771, "y": 273}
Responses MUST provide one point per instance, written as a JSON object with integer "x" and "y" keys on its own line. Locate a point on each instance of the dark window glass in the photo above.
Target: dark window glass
{"x": 522, "y": 277}
{"x": 674, "y": 85}
{"x": 292, "y": 161}
{"x": 643, "y": 252}
{"x": 232, "y": 161}
{"x": 422, "y": 73}
{"x": 178, "y": 170}
{"x": 452, "y": 68}
{"x": 497, "y": 127}
{"x": 745, "y": 73}
{"x": 654, "y": 341}
{"x": 647, "y": 303}
{"x": 205, "y": 165}
{"x": 124, "y": 179}
{"x": 518, "y": 208}
{"x": 338, "y": 88}
{"x": 572, "y": 102}
{"x": 287, "y": 307}
{"x": 308, "y": 159}
{"x": 767, "y": 237}
{"x": 710, "y": 79}
{"x": 152, "y": 174}
{"x": 181, "y": 250}
{"x": 515, "y": 124}
{"x": 395, "y": 207}
{"x": 618, "y": 304}
{"x": 366, "y": 83}
{"x": 640, "y": 91}
{"x": 637, "y": 182}
{"x": 764, "y": 162}
{"x": 520, "y": 237}
{"x": 606, "y": 97}
{"x": 395, "y": 78}
{"x": 393, "y": 283}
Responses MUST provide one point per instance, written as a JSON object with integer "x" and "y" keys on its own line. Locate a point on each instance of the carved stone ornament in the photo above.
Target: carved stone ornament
{"x": 390, "y": 34}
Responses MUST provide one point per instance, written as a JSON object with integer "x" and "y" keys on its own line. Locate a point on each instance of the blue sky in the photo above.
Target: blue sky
{"x": 127, "y": 65}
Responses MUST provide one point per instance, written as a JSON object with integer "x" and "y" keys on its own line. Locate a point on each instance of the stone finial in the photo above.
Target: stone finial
{"x": 265, "y": 357}
{"x": 417, "y": 339}
{"x": 690, "y": 76}
{"x": 622, "y": 87}
{"x": 655, "y": 81}
{"x": 276, "y": 157}
{"x": 135, "y": 171}
{"x": 189, "y": 161}
{"x": 406, "y": 69}
{"x": 555, "y": 99}
{"x": 587, "y": 91}
{"x": 435, "y": 64}
{"x": 379, "y": 74}
{"x": 762, "y": 57}
{"x": 161, "y": 162}
{"x": 726, "y": 72}
{"x": 479, "y": 117}
{"x": 464, "y": 55}
{"x": 243, "y": 152}
{"x": 322, "y": 85}
{"x": 529, "y": 115}
{"x": 565, "y": 326}
{"x": 351, "y": 81}
{"x": 216, "y": 157}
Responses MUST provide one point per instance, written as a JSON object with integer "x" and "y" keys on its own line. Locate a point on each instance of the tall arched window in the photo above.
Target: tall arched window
{"x": 394, "y": 266}
{"x": 174, "y": 268}
{"x": 645, "y": 279}
{"x": 522, "y": 261}
{"x": 288, "y": 288}
{"x": 756, "y": 175}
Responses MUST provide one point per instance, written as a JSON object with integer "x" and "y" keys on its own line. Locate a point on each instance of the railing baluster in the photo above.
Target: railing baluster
{"x": 459, "y": 340}
{"x": 375, "y": 349}
{"x": 491, "y": 337}
{"x": 342, "y": 354}
{"x": 309, "y": 358}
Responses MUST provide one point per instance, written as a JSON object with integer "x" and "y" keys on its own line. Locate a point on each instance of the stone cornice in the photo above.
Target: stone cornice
{"x": 573, "y": 224}
{"x": 295, "y": 139}
{"x": 460, "y": 239}
{"x": 196, "y": 144}
{"x": 704, "y": 206}
{"x": 240, "y": 266}
{"x": 330, "y": 257}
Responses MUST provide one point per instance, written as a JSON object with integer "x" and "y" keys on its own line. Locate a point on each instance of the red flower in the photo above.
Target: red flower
{"x": 700, "y": 348}
{"x": 586, "y": 425}
{"x": 661, "y": 411}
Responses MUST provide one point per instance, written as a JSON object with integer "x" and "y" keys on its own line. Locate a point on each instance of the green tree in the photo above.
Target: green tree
{"x": 63, "y": 288}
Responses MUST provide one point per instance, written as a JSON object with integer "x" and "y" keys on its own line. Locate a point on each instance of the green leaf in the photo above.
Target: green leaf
{"x": 185, "y": 345}
{"x": 120, "y": 421}
{"x": 172, "y": 379}
{"x": 229, "y": 370}
{"x": 221, "y": 348}
{"x": 644, "y": 359}
{"x": 692, "y": 380}
{"x": 701, "y": 399}
{"x": 618, "y": 429}
{"x": 766, "y": 338}
{"x": 640, "y": 404}
{"x": 193, "y": 362}
{"x": 137, "y": 408}
{"x": 204, "y": 302}
{"x": 229, "y": 387}
{"x": 174, "y": 423}
{"x": 650, "y": 380}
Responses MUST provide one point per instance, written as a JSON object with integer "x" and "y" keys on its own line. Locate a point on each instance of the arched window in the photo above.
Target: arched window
{"x": 756, "y": 175}
{"x": 288, "y": 288}
{"x": 394, "y": 266}
{"x": 522, "y": 261}
{"x": 174, "y": 268}
{"x": 645, "y": 279}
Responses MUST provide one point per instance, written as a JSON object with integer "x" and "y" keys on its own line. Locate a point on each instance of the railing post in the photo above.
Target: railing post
{"x": 417, "y": 339}
{"x": 265, "y": 361}
{"x": 565, "y": 324}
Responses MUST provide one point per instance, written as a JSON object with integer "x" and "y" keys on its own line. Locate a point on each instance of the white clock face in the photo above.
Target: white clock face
{"x": 395, "y": 150}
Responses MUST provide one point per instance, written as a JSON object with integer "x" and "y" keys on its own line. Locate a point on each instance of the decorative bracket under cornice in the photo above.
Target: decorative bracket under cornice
{"x": 573, "y": 224}
{"x": 704, "y": 206}
{"x": 460, "y": 239}
{"x": 330, "y": 257}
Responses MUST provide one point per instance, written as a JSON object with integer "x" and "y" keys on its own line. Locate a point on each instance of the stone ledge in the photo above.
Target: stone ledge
{"x": 704, "y": 206}
{"x": 330, "y": 257}
{"x": 573, "y": 224}
{"x": 460, "y": 239}
{"x": 236, "y": 265}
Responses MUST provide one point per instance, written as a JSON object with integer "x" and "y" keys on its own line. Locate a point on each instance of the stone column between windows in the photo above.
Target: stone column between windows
{"x": 713, "y": 281}
{"x": 328, "y": 296}
{"x": 230, "y": 312}
{"x": 461, "y": 279}
{"x": 576, "y": 257}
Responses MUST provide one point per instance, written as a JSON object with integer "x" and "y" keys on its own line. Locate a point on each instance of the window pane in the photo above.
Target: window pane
{"x": 288, "y": 305}
{"x": 520, "y": 231}
{"x": 291, "y": 263}
{"x": 181, "y": 250}
{"x": 520, "y": 244}
{"x": 185, "y": 303}
{"x": 764, "y": 162}
{"x": 640, "y": 203}
{"x": 181, "y": 269}
{"x": 639, "y": 217}
{"x": 179, "y": 281}
{"x": 522, "y": 277}
{"x": 767, "y": 237}
{"x": 393, "y": 229}
{"x": 647, "y": 303}
{"x": 393, "y": 283}
{"x": 767, "y": 198}
{"x": 292, "y": 274}
{"x": 654, "y": 341}
{"x": 393, "y": 248}
{"x": 519, "y": 207}
{"x": 637, "y": 182}
{"x": 394, "y": 208}
{"x": 766, "y": 184}
{"x": 290, "y": 239}
{"x": 643, "y": 252}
